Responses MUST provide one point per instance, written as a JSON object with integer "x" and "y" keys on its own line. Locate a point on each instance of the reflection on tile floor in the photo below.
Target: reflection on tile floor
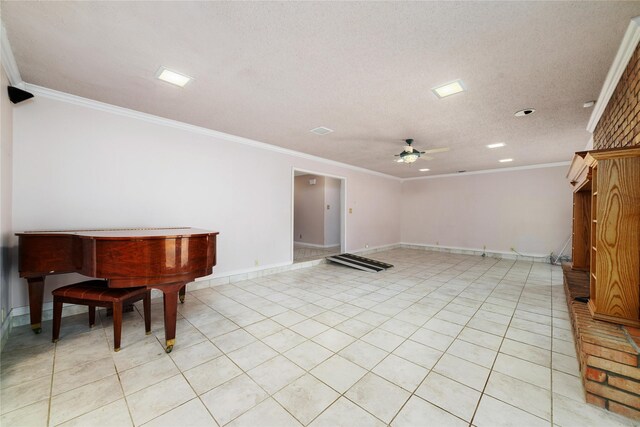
{"x": 440, "y": 339}
{"x": 301, "y": 253}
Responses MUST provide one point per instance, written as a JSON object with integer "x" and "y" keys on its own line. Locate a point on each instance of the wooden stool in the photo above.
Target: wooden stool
{"x": 96, "y": 293}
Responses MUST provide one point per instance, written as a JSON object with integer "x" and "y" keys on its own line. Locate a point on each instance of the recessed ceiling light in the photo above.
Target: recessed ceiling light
{"x": 506, "y": 160}
{"x": 173, "y": 77}
{"x": 424, "y": 170}
{"x": 525, "y": 112}
{"x": 589, "y": 104}
{"x": 449, "y": 89}
{"x": 321, "y": 130}
{"x": 496, "y": 145}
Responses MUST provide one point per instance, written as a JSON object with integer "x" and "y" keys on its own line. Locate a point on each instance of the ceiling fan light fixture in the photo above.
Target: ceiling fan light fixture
{"x": 409, "y": 157}
{"x": 449, "y": 89}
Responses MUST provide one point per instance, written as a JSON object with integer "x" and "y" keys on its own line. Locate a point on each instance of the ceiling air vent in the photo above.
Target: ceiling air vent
{"x": 321, "y": 130}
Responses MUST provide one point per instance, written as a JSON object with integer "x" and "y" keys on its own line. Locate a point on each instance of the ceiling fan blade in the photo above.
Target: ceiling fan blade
{"x": 437, "y": 150}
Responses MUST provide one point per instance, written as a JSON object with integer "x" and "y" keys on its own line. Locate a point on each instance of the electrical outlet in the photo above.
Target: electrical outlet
{"x": 328, "y": 207}
{"x": 350, "y": 210}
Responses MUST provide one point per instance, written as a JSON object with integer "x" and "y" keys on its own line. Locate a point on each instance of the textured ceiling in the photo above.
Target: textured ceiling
{"x": 272, "y": 71}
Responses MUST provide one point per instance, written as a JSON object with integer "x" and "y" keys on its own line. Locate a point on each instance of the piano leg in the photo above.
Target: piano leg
{"x": 36, "y": 291}
{"x": 170, "y": 293}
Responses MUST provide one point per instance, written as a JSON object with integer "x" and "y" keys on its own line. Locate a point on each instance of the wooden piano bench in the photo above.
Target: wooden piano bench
{"x": 96, "y": 293}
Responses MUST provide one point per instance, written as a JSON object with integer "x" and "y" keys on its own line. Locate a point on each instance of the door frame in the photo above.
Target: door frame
{"x": 343, "y": 206}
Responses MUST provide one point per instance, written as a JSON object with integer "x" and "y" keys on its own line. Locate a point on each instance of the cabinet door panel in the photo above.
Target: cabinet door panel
{"x": 617, "y": 241}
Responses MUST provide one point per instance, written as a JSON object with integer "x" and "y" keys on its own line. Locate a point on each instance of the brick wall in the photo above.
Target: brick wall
{"x": 608, "y": 353}
{"x": 619, "y": 125}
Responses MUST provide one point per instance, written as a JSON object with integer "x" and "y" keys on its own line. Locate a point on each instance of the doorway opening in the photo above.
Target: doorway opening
{"x": 318, "y": 219}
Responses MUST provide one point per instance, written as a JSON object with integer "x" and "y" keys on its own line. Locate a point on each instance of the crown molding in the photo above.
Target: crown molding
{"x": 625, "y": 51}
{"x": 8, "y": 60}
{"x": 121, "y": 111}
{"x": 480, "y": 172}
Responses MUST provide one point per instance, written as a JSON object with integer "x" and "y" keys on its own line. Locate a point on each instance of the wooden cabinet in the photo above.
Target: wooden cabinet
{"x": 579, "y": 175}
{"x": 607, "y": 208}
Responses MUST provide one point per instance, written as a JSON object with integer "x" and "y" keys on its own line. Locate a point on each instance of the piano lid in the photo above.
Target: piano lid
{"x": 126, "y": 233}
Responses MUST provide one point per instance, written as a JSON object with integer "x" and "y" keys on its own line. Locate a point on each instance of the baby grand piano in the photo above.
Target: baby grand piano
{"x": 161, "y": 258}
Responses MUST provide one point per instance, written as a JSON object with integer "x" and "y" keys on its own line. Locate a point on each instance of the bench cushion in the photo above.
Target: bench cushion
{"x": 97, "y": 290}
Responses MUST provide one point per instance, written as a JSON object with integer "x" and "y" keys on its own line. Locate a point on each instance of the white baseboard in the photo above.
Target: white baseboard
{"x": 313, "y": 245}
{"x": 20, "y": 315}
{"x": 473, "y": 251}
{"x": 372, "y": 250}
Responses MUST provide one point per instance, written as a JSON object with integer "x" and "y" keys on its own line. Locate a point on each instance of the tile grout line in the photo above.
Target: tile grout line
{"x": 551, "y": 352}
{"x": 482, "y": 393}
{"x": 445, "y": 352}
{"x": 354, "y": 282}
{"x": 493, "y": 365}
{"x": 365, "y": 309}
{"x": 391, "y": 352}
{"x": 194, "y": 325}
{"x": 53, "y": 372}
{"x": 91, "y": 382}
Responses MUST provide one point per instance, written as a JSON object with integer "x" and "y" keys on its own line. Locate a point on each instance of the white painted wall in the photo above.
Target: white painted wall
{"x": 331, "y": 208}
{"x": 529, "y": 210}
{"x": 308, "y": 217}
{"x": 6, "y": 154}
{"x": 80, "y": 167}
{"x": 76, "y": 166}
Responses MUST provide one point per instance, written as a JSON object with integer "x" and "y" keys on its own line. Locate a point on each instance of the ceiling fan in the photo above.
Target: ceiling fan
{"x": 410, "y": 154}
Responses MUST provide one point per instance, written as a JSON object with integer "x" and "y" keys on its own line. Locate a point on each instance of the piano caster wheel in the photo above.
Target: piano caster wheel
{"x": 36, "y": 328}
{"x": 116, "y": 349}
{"x": 170, "y": 344}
{"x": 181, "y": 299}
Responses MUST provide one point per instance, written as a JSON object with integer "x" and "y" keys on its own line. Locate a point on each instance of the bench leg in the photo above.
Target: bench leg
{"x": 92, "y": 316}
{"x": 57, "y": 318}
{"x": 147, "y": 311}
{"x": 117, "y": 325}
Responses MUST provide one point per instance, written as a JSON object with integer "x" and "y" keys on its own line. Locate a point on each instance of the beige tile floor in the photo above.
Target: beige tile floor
{"x": 441, "y": 339}
{"x": 301, "y": 253}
